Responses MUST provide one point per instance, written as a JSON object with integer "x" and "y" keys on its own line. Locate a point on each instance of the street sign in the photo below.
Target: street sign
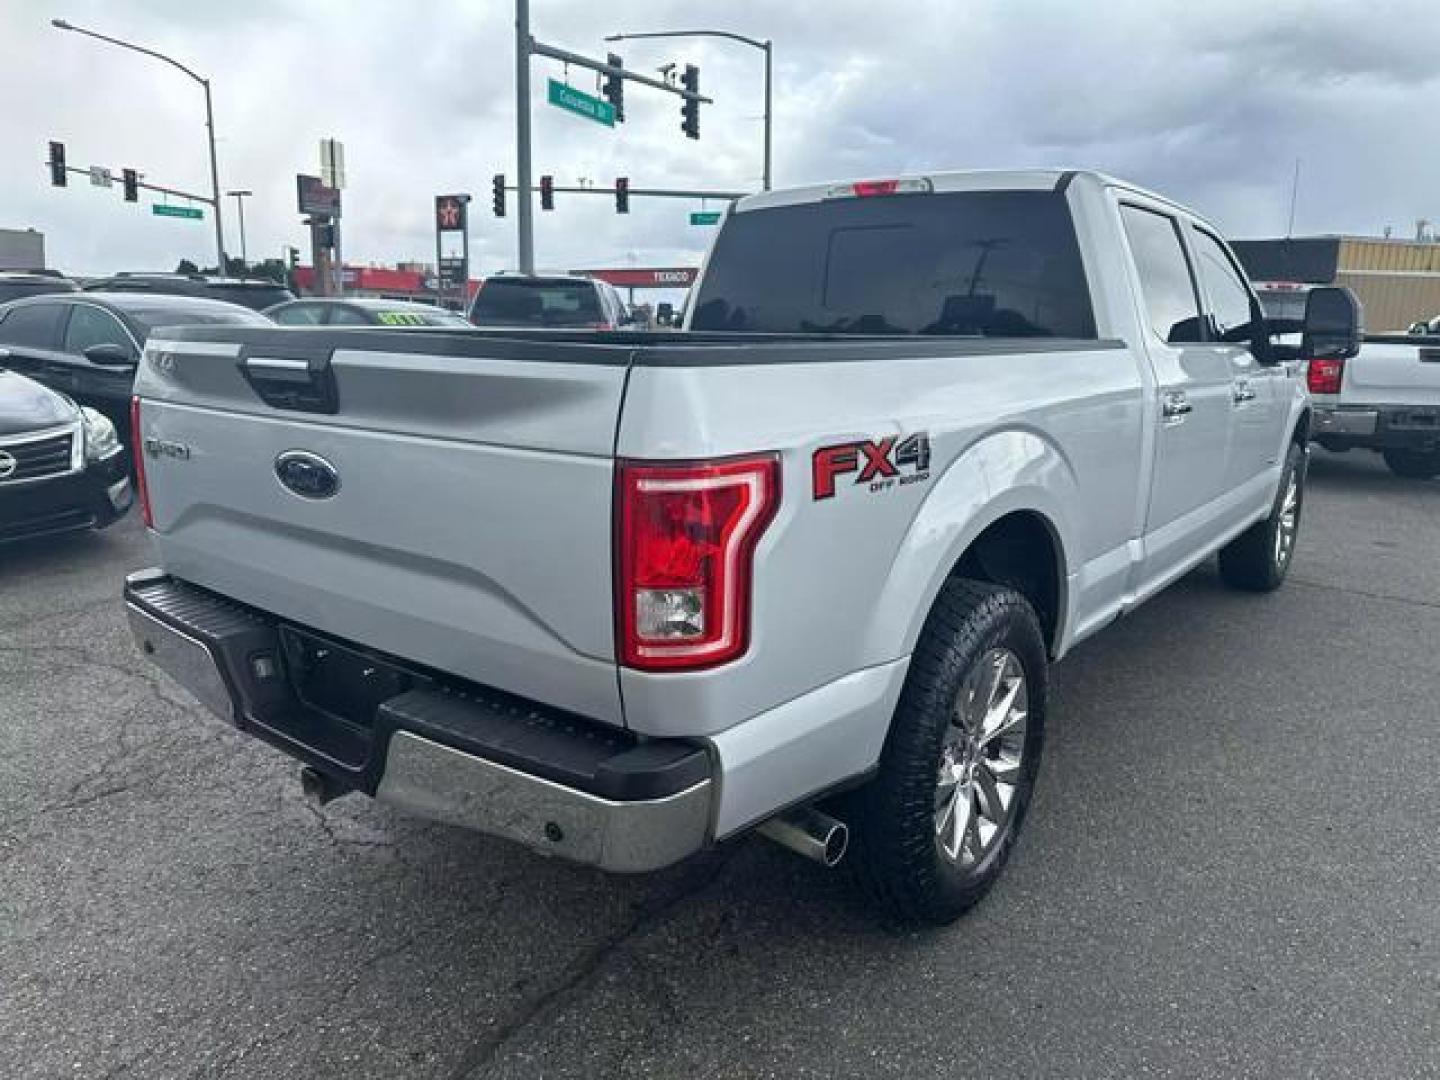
{"x": 705, "y": 217}
{"x": 314, "y": 197}
{"x": 166, "y": 210}
{"x": 100, "y": 176}
{"x": 581, "y": 104}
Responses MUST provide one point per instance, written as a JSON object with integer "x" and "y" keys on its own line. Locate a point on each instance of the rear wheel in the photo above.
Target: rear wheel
{"x": 934, "y": 829}
{"x": 1413, "y": 464}
{"x": 1258, "y": 559}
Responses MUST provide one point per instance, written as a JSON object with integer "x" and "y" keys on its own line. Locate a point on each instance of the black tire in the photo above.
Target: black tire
{"x": 1255, "y": 560}
{"x": 896, "y": 853}
{"x": 1413, "y": 464}
{"x": 1333, "y": 446}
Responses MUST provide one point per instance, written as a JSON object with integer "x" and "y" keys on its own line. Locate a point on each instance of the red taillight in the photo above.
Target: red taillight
{"x": 686, "y": 546}
{"x": 1323, "y": 376}
{"x": 137, "y": 456}
{"x": 864, "y": 188}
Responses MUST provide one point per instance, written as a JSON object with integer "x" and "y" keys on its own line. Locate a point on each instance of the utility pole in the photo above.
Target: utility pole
{"x": 524, "y": 222}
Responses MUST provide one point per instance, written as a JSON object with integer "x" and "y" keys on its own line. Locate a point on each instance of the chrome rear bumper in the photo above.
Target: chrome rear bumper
{"x": 653, "y": 800}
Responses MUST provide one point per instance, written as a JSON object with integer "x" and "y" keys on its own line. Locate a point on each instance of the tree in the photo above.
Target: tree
{"x": 187, "y": 267}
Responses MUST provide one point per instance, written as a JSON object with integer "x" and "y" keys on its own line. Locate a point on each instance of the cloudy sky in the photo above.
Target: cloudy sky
{"x": 1209, "y": 102}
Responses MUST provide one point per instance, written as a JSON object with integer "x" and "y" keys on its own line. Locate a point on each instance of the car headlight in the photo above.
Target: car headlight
{"x": 101, "y": 441}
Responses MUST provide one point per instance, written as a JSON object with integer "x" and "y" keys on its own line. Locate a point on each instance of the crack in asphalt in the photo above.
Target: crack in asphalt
{"x": 1328, "y": 587}
{"x": 581, "y": 972}
{"x": 172, "y": 736}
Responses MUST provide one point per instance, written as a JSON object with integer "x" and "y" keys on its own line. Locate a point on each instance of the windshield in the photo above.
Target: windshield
{"x": 149, "y": 319}
{"x": 517, "y": 302}
{"x": 974, "y": 264}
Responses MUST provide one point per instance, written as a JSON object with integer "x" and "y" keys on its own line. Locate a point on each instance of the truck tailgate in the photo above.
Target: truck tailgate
{"x": 470, "y": 530}
{"x": 1389, "y": 373}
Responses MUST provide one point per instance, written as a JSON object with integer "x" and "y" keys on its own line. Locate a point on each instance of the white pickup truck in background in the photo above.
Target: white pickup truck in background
{"x": 1385, "y": 398}
{"x": 800, "y": 569}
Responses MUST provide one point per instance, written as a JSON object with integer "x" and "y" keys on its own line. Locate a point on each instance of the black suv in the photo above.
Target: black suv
{"x": 257, "y": 294}
{"x": 86, "y": 344}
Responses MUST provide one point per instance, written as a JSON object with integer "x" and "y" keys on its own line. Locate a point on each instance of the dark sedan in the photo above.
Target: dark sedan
{"x": 87, "y": 344}
{"x": 363, "y": 312}
{"x": 62, "y": 467}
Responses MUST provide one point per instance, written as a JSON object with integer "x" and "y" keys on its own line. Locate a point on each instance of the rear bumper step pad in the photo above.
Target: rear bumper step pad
{"x": 452, "y": 751}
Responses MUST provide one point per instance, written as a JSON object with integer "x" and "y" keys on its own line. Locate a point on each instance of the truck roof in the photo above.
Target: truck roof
{"x": 960, "y": 180}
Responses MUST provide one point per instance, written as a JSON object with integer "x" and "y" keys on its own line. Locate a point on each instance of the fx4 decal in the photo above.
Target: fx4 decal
{"x": 882, "y": 464}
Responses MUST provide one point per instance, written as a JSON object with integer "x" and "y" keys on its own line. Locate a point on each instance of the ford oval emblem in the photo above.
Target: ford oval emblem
{"x": 308, "y": 475}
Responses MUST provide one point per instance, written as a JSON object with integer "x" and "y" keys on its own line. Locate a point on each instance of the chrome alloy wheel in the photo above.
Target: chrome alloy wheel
{"x": 980, "y": 761}
{"x": 1289, "y": 522}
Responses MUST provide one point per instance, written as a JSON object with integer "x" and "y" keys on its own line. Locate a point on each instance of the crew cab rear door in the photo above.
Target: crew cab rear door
{"x": 450, "y": 501}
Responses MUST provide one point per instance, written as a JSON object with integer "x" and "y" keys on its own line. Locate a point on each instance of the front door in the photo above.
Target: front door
{"x": 1193, "y": 400}
{"x": 1258, "y": 393}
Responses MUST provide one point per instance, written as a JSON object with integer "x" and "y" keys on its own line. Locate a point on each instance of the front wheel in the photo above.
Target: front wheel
{"x": 1413, "y": 464}
{"x": 934, "y": 829}
{"x": 1258, "y": 559}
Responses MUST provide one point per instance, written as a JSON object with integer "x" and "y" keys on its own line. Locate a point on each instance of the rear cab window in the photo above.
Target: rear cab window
{"x": 967, "y": 264}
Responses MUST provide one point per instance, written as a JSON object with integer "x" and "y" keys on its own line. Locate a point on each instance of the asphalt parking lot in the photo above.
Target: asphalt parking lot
{"x": 1232, "y": 868}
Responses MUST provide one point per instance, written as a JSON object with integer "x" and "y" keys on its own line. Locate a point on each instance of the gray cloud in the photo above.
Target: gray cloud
{"x": 1210, "y": 103}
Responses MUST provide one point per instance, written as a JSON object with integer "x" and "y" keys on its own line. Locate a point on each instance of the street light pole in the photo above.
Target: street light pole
{"x": 523, "y": 45}
{"x": 240, "y": 197}
{"x": 61, "y": 24}
{"x": 766, "y": 46}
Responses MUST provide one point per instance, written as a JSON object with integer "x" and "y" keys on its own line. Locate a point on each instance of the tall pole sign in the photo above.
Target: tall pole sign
{"x": 452, "y": 215}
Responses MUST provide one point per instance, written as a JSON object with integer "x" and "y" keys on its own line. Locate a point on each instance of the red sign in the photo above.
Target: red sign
{"x": 675, "y": 277}
{"x": 450, "y": 212}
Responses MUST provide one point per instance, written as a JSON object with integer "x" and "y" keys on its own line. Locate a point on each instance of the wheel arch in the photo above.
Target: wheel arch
{"x": 998, "y": 514}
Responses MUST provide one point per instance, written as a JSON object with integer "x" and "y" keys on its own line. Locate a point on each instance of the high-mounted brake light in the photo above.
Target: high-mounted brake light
{"x": 137, "y": 454}
{"x": 1324, "y": 376}
{"x": 686, "y": 547}
{"x": 864, "y": 189}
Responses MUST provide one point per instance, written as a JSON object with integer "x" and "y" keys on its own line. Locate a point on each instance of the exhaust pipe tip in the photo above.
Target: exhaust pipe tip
{"x": 811, "y": 833}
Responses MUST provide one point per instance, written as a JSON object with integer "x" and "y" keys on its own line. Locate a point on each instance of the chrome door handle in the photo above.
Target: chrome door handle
{"x": 1175, "y": 406}
{"x": 1241, "y": 391}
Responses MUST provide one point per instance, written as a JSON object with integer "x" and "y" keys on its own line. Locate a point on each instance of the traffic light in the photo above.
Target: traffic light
{"x": 57, "y": 164}
{"x": 547, "y": 193}
{"x": 614, "y": 89}
{"x": 622, "y": 194}
{"x": 497, "y": 199}
{"x": 132, "y": 185}
{"x": 292, "y": 258}
{"x": 325, "y": 235}
{"x": 690, "y": 108}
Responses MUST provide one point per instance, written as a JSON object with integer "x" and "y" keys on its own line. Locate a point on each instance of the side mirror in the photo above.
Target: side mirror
{"x": 1418, "y": 328}
{"x": 1332, "y": 325}
{"x": 110, "y": 355}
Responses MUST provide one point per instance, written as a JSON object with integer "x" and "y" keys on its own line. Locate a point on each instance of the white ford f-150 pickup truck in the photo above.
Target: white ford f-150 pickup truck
{"x": 1385, "y": 398}
{"x": 799, "y": 568}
